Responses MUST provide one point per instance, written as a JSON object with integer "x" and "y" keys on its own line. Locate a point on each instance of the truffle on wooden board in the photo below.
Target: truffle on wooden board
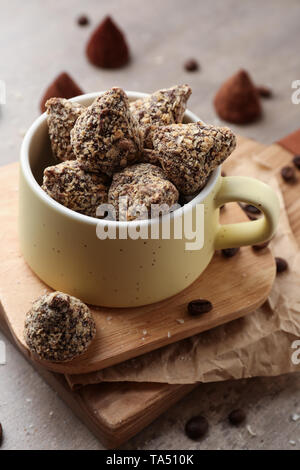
{"x": 58, "y": 327}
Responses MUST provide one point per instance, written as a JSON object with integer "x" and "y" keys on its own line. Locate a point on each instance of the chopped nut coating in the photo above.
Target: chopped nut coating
{"x": 162, "y": 108}
{"x": 188, "y": 153}
{"x": 106, "y": 136}
{"x": 62, "y": 115}
{"x": 58, "y": 327}
{"x": 74, "y": 188}
{"x": 143, "y": 185}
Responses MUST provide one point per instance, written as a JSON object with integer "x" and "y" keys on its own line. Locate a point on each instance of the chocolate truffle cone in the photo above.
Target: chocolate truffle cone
{"x": 58, "y": 327}
{"x": 74, "y": 188}
{"x": 161, "y": 108}
{"x": 237, "y": 100}
{"x": 107, "y": 46}
{"x": 143, "y": 185}
{"x": 106, "y": 137}
{"x": 188, "y": 153}
{"x": 62, "y": 87}
{"x": 61, "y": 117}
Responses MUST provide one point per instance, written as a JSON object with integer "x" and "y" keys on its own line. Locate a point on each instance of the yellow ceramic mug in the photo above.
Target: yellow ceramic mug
{"x": 63, "y": 249}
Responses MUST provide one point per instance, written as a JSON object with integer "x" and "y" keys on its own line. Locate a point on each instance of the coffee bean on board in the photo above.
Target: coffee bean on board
{"x": 199, "y": 306}
{"x": 260, "y": 246}
{"x": 251, "y": 209}
{"x": 288, "y": 174}
{"x": 281, "y": 265}
{"x": 229, "y": 252}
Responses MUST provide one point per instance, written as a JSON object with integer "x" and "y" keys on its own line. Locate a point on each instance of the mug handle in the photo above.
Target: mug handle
{"x": 256, "y": 193}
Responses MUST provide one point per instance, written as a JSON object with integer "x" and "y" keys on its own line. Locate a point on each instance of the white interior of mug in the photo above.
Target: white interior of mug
{"x": 36, "y": 155}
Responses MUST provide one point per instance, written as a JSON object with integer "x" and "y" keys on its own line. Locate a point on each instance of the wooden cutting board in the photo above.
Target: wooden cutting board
{"x": 115, "y": 412}
{"x": 126, "y": 333}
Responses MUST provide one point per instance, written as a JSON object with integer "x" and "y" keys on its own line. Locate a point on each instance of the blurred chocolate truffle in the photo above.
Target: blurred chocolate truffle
{"x": 107, "y": 46}
{"x": 237, "y": 100}
{"x": 62, "y": 87}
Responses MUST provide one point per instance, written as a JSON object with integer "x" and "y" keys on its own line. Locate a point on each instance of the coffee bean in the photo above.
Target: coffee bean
{"x": 222, "y": 207}
{"x": 251, "y": 217}
{"x": 288, "y": 174}
{"x": 223, "y": 173}
{"x": 230, "y": 252}
{"x": 281, "y": 265}
{"x": 251, "y": 209}
{"x": 1, "y": 435}
{"x": 83, "y": 20}
{"x": 196, "y": 427}
{"x": 191, "y": 65}
{"x": 261, "y": 246}
{"x": 296, "y": 161}
{"x": 237, "y": 417}
{"x": 197, "y": 307}
{"x": 264, "y": 91}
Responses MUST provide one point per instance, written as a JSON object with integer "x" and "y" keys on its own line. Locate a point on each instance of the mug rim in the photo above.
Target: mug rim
{"x": 65, "y": 211}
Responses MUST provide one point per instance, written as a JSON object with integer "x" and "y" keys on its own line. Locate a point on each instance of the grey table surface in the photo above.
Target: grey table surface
{"x": 38, "y": 40}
